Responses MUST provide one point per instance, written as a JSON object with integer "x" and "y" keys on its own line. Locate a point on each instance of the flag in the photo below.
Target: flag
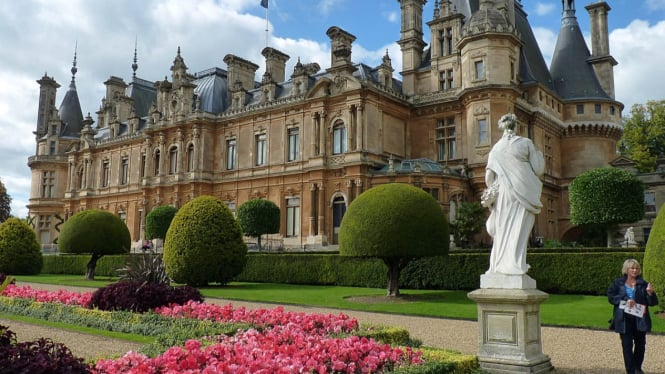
{"x": 264, "y": 3}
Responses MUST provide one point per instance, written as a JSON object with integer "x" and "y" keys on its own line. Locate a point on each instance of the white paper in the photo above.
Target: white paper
{"x": 636, "y": 310}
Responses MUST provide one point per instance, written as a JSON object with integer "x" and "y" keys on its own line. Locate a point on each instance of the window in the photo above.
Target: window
{"x": 142, "y": 168}
{"x": 612, "y": 110}
{"x": 54, "y": 130}
{"x": 230, "y": 154}
{"x": 294, "y": 144}
{"x": 449, "y": 41}
{"x": 48, "y": 184}
{"x": 157, "y": 163}
{"x": 580, "y": 108}
{"x": 598, "y": 108}
{"x": 434, "y": 192}
{"x": 190, "y": 157}
{"x": 122, "y": 216}
{"x": 649, "y": 201}
{"x": 292, "y": 216}
{"x": 106, "y": 172}
{"x": 483, "y": 135}
{"x": 173, "y": 160}
{"x": 51, "y": 147}
{"x": 445, "y": 139}
{"x": 79, "y": 178}
{"x": 446, "y": 80}
{"x": 261, "y": 149}
{"x": 479, "y": 67}
{"x": 124, "y": 170}
{"x": 339, "y": 139}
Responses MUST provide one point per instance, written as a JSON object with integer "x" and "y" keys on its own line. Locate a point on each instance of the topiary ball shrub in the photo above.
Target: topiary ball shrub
{"x": 140, "y": 297}
{"x": 20, "y": 252}
{"x": 157, "y": 222}
{"x": 38, "y": 356}
{"x": 204, "y": 244}
{"x": 653, "y": 266}
{"x": 94, "y": 231}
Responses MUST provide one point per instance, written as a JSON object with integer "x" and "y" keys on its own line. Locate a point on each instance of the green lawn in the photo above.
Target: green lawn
{"x": 557, "y": 310}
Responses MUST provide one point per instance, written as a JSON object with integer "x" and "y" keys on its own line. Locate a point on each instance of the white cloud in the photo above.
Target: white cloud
{"x": 547, "y": 41}
{"x": 655, "y": 4}
{"x": 640, "y": 75}
{"x": 326, "y": 6}
{"x": 543, "y": 9}
{"x": 393, "y": 17}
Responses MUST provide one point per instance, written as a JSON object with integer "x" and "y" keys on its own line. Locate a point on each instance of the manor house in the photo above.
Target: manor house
{"x": 312, "y": 139}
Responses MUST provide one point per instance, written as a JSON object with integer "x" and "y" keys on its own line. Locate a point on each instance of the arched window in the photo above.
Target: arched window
{"x": 339, "y": 139}
{"x": 173, "y": 160}
{"x": 190, "y": 157}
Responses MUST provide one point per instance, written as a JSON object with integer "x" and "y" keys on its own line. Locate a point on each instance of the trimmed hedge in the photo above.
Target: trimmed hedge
{"x": 556, "y": 272}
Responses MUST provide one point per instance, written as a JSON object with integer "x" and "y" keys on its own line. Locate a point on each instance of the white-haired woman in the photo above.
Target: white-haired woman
{"x": 628, "y": 292}
{"x": 512, "y": 176}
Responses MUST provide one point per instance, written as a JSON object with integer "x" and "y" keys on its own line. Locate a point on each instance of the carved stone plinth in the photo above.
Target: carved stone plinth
{"x": 509, "y": 330}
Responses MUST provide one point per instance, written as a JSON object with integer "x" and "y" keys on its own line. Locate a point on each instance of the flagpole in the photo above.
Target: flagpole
{"x": 266, "y": 26}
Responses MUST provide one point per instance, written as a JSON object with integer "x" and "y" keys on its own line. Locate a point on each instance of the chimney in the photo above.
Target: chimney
{"x": 240, "y": 70}
{"x": 340, "y": 51}
{"x": 275, "y": 63}
{"x": 603, "y": 63}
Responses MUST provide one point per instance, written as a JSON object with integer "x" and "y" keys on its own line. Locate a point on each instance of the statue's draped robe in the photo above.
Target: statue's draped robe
{"x": 516, "y": 165}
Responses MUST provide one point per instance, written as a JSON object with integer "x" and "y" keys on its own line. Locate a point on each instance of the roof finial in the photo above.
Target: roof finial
{"x": 135, "y": 65}
{"x": 74, "y": 69}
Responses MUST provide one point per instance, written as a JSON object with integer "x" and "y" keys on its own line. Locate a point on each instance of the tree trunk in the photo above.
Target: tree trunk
{"x": 395, "y": 266}
{"x": 258, "y": 242}
{"x": 90, "y": 268}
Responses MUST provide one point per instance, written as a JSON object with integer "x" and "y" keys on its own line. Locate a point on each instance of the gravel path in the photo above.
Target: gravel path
{"x": 571, "y": 350}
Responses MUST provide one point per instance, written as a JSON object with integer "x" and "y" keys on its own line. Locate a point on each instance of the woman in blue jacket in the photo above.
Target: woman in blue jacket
{"x": 625, "y": 292}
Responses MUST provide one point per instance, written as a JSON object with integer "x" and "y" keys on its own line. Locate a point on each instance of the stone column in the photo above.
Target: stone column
{"x": 312, "y": 210}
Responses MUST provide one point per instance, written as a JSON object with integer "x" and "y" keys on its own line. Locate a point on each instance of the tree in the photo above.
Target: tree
{"x": 396, "y": 223}
{"x": 653, "y": 265}
{"x": 644, "y": 134}
{"x": 606, "y": 197}
{"x": 204, "y": 244}
{"x": 96, "y": 232}
{"x": 258, "y": 217}
{"x": 5, "y": 203}
{"x": 469, "y": 221}
{"x": 157, "y": 222}
{"x": 20, "y": 252}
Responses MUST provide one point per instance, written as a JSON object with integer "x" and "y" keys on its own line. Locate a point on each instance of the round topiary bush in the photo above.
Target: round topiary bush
{"x": 395, "y": 222}
{"x": 204, "y": 244}
{"x": 157, "y": 222}
{"x": 94, "y": 231}
{"x": 653, "y": 267}
{"x": 258, "y": 217}
{"x": 19, "y": 250}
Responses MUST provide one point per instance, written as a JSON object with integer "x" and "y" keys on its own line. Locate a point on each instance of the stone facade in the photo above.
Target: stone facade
{"x": 313, "y": 141}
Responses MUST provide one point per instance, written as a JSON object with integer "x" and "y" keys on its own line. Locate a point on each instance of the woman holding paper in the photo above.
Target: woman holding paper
{"x": 632, "y": 296}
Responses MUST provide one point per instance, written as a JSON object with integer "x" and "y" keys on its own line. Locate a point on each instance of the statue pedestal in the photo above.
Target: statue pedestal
{"x": 509, "y": 330}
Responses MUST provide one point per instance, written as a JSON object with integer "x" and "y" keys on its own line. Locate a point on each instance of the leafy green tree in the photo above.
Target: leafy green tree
{"x": 96, "y": 232}
{"x": 5, "y": 203}
{"x": 644, "y": 134}
{"x": 157, "y": 222}
{"x": 204, "y": 244}
{"x": 606, "y": 197}
{"x": 20, "y": 252}
{"x": 396, "y": 223}
{"x": 653, "y": 265}
{"x": 258, "y": 217}
{"x": 469, "y": 221}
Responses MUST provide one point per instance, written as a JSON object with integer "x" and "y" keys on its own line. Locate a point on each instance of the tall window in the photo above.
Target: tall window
{"x": 294, "y": 144}
{"x": 649, "y": 201}
{"x": 483, "y": 134}
{"x": 124, "y": 170}
{"x": 446, "y": 39}
{"x": 261, "y": 149}
{"x": 230, "y": 154}
{"x": 173, "y": 160}
{"x": 479, "y": 69}
{"x": 48, "y": 184}
{"x": 190, "y": 157}
{"x": 339, "y": 139}
{"x": 292, "y": 216}
{"x": 157, "y": 163}
{"x": 142, "y": 166}
{"x": 51, "y": 147}
{"x": 106, "y": 172}
{"x": 446, "y": 80}
{"x": 445, "y": 139}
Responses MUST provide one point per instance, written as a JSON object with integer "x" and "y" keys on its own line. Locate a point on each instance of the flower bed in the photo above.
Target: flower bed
{"x": 280, "y": 342}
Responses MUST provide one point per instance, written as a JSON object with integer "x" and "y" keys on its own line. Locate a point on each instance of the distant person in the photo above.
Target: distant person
{"x": 147, "y": 245}
{"x": 512, "y": 176}
{"x": 632, "y": 296}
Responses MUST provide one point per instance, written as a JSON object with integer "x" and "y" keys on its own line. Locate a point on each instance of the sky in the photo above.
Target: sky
{"x": 40, "y": 37}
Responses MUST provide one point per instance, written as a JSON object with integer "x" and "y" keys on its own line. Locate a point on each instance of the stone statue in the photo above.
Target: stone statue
{"x": 629, "y": 237}
{"x": 513, "y": 193}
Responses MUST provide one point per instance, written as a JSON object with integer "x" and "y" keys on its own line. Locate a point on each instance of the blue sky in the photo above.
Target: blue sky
{"x": 39, "y": 36}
